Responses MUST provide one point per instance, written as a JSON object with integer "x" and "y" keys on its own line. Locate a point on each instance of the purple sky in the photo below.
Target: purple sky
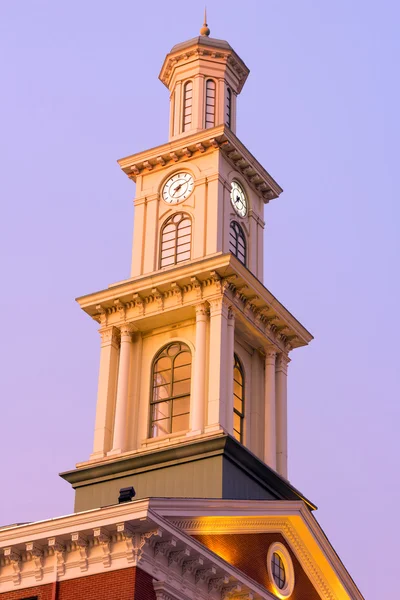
{"x": 79, "y": 89}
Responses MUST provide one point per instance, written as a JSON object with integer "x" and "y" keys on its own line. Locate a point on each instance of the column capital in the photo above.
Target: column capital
{"x": 127, "y": 329}
{"x": 282, "y": 362}
{"x": 109, "y": 336}
{"x": 271, "y": 353}
{"x": 201, "y": 309}
{"x": 220, "y": 305}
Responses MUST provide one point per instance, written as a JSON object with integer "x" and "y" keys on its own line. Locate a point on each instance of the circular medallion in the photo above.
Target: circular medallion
{"x": 238, "y": 199}
{"x": 177, "y": 188}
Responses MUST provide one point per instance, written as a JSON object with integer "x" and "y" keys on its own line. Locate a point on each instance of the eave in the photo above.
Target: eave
{"x": 178, "y": 289}
{"x": 219, "y": 138}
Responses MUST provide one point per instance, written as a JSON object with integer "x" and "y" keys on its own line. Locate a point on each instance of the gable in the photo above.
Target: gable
{"x": 248, "y": 552}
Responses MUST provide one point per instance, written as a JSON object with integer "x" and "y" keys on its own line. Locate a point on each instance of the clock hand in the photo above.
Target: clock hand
{"x": 176, "y": 189}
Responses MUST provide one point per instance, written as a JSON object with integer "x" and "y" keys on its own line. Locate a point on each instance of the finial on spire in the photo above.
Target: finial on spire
{"x": 205, "y": 29}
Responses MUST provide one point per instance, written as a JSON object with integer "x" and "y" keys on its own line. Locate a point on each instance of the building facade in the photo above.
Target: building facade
{"x": 192, "y": 391}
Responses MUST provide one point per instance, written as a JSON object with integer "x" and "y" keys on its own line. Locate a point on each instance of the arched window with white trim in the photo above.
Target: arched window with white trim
{"x": 176, "y": 240}
{"x": 210, "y": 103}
{"x": 170, "y": 395}
{"x": 237, "y": 242}
{"x": 187, "y": 105}
{"x": 238, "y": 400}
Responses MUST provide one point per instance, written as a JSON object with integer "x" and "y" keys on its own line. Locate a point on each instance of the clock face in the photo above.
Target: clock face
{"x": 238, "y": 199}
{"x": 178, "y": 188}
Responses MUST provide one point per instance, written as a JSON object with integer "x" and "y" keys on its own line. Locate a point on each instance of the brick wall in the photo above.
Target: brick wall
{"x": 248, "y": 552}
{"x": 124, "y": 584}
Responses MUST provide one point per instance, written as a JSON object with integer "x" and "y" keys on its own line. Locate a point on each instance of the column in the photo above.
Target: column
{"x": 119, "y": 439}
{"x": 199, "y": 369}
{"x": 269, "y": 396}
{"x": 106, "y": 391}
{"x": 281, "y": 414}
{"x": 217, "y": 380}
{"x": 229, "y": 366}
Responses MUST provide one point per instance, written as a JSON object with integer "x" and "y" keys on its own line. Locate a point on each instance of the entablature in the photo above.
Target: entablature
{"x": 219, "y": 138}
{"x": 145, "y": 301}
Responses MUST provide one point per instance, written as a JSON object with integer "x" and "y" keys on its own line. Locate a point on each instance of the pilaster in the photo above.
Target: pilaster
{"x": 281, "y": 414}
{"x": 199, "y": 371}
{"x": 106, "y": 391}
{"x": 120, "y": 422}
{"x": 218, "y": 376}
{"x": 270, "y": 418}
{"x": 229, "y": 366}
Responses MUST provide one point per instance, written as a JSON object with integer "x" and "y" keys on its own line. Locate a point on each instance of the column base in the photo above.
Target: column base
{"x": 115, "y": 451}
{"x": 216, "y": 428}
{"x": 97, "y": 455}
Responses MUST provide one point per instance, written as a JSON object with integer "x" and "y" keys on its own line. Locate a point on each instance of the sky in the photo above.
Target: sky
{"x": 79, "y": 89}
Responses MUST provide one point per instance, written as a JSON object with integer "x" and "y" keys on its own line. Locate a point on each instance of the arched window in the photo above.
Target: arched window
{"x": 170, "y": 399}
{"x": 228, "y": 112}
{"x": 237, "y": 242}
{"x": 187, "y": 105}
{"x": 238, "y": 400}
{"x": 176, "y": 237}
{"x": 210, "y": 103}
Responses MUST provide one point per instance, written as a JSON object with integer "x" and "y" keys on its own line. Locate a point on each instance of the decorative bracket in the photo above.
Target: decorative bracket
{"x": 178, "y": 556}
{"x": 164, "y": 548}
{"x": 204, "y": 575}
{"x": 103, "y": 538}
{"x": 190, "y": 566}
{"x": 59, "y": 553}
{"x": 14, "y": 558}
{"x": 82, "y": 544}
{"x": 36, "y": 553}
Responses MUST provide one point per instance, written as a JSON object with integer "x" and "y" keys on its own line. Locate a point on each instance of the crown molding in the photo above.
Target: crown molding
{"x": 218, "y": 139}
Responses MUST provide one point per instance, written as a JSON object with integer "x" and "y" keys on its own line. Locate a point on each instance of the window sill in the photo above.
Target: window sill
{"x": 164, "y": 439}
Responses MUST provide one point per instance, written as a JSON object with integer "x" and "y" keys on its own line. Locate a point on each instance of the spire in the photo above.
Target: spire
{"x": 205, "y": 29}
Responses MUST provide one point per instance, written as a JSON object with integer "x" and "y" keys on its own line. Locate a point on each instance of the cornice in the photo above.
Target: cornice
{"x": 197, "y": 48}
{"x": 183, "y": 567}
{"x": 204, "y": 280}
{"x": 156, "y": 534}
{"x": 219, "y": 138}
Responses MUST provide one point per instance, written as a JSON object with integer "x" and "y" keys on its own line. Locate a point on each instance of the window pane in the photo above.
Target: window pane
{"x": 238, "y": 404}
{"x": 181, "y": 373}
{"x": 183, "y": 358}
{"x": 185, "y": 223}
{"x": 183, "y": 239}
{"x": 180, "y": 423}
{"x": 236, "y": 422}
{"x": 181, "y": 406}
{"x": 181, "y": 387}
{"x": 237, "y": 436}
{"x": 161, "y": 411}
{"x": 162, "y": 364}
{"x": 161, "y": 427}
{"x": 184, "y": 256}
{"x": 165, "y": 262}
{"x": 173, "y": 349}
{"x": 183, "y": 248}
{"x": 162, "y": 377}
{"x": 168, "y": 244}
{"x": 161, "y": 392}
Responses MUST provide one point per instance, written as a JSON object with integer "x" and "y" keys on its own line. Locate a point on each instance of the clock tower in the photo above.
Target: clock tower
{"x": 192, "y": 391}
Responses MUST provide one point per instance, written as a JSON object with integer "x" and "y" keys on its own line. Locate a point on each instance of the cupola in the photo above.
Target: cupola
{"x": 204, "y": 76}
